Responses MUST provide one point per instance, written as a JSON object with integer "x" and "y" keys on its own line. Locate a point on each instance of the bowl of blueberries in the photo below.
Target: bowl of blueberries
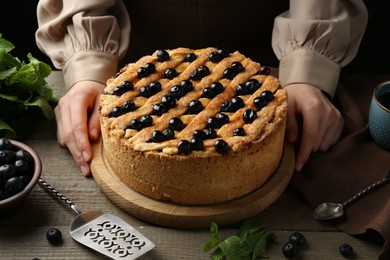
{"x": 20, "y": 170}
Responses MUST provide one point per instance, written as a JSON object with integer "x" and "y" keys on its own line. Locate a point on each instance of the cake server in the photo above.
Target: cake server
{"x": 103, "y": 232}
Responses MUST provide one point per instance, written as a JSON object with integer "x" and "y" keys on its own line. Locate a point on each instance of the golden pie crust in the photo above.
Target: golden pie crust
{"x": 162, "y": 171}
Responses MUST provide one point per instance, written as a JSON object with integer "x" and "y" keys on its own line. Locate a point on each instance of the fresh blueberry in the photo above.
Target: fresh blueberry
{"x": 54, "y": 236}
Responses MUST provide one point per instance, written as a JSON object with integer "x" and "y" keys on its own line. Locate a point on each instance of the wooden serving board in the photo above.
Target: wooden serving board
{"x": 190, "y": 217}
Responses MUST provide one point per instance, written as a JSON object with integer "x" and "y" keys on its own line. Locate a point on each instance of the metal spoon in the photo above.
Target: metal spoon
{"x": 331, "y": 210}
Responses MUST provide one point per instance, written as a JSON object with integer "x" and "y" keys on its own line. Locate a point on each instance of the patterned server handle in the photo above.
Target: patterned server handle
{"x": 57, "y": 194}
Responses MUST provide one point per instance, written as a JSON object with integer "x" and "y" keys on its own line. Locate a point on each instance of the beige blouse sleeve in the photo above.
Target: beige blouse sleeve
{"x": 314, "y": 39}
{"x": 79, "y": 34}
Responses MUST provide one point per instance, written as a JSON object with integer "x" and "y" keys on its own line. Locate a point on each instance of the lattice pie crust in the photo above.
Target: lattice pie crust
{"x": 193, "y": 127}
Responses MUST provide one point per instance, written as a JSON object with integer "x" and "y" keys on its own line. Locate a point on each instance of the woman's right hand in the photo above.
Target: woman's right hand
{"x": 77, "y": 116}
{"x": 313, "y": 122}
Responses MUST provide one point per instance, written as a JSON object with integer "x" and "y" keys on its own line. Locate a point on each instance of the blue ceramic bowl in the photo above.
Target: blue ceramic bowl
{"x": 379, "y": 116}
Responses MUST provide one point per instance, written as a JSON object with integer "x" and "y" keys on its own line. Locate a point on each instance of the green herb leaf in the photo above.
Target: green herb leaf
{"x": 24, "y": 93}
{"x": 6, "y": 45}
{"x": 235, "y": 248}
{"x": 215, "y": 240}
{"x": 251, "y": 242}
{"x": 218, "y": 254}
{"x": 264, "y": 241}
{"x": 249, "y": 227}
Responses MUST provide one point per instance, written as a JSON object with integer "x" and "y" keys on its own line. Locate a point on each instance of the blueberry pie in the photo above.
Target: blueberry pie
{"x": 193, "y": 127}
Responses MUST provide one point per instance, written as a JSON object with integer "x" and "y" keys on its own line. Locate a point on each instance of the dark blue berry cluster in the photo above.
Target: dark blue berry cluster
{"x": 294, "y": 244}
{"x": 16, "y": 169}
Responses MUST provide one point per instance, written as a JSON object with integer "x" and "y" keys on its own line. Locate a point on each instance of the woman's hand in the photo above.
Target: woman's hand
{"x": 77, "y": 116}
{"x": 312, "y": 121}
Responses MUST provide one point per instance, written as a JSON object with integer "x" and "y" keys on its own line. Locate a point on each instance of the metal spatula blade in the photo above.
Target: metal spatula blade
{"x": 103, "y": 232}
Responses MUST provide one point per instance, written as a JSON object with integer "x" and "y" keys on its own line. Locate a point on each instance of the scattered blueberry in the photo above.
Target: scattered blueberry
{"x": 294, "y": 244}
{"x": 346, "y": 250}
{"x": 54, "y": 236}
{"x": 298, "y": 238}
{"x": 290, "y": 250}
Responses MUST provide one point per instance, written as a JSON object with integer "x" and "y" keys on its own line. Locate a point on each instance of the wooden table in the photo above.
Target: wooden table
{"x": 23, "y": 236}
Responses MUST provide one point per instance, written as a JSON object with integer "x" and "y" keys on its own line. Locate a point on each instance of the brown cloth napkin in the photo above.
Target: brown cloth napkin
{"x": 352, "y": 164}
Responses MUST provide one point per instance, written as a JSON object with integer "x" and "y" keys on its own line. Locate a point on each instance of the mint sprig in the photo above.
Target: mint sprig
{"x": 25, "y": 96}
{"x": 250, "y": 242}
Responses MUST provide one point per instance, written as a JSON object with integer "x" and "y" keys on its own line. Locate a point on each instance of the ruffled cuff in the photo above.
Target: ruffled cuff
{"x": 90, "y": 65}
{"x": 309, "y": 66}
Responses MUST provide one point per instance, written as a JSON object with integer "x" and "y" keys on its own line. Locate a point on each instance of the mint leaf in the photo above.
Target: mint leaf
{"x": 249, "y": 227}
{"x": 7, "y": 61}
{"x": 264, "y": 241}
{"x": 251, "y": 242}
{"x": 25, "y": 96}
{"x": 235, "y": 248}
{"x": 218, "y": 254}
{"x": 43, "y": 105}
{"x": 215, "y": 240}
{"x": 5, "y": 45}
{"x": 7, "y": 73}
